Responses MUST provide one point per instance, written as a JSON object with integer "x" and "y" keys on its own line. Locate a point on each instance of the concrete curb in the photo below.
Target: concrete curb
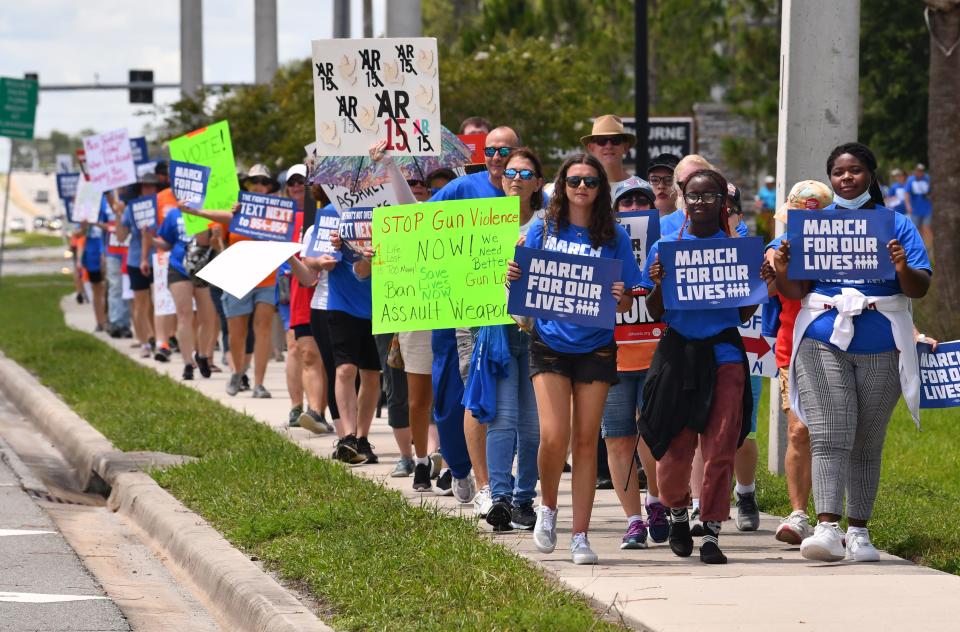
{"x": 244, "y": 595}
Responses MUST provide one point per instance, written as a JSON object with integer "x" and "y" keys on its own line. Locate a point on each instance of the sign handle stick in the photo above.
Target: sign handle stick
{"x": 6, "y": 203}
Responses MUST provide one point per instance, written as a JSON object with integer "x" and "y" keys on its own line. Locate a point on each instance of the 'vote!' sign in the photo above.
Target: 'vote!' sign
{"x": 144, "y": 210}
{"x": 189, "y": 183}
{"x": 840, "y": 244}
{"x": 264, "y": 217}
{"x": 712, "y": 273}
{"x": 939, "y": 375}
{"x": 571, "y": 288}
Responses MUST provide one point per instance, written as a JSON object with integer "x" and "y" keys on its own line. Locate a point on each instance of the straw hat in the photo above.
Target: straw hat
{"x": 809, "y": 195}
{"x": 609, "y": 125}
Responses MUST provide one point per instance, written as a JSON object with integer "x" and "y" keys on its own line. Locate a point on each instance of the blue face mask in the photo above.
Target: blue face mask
{"x": 855, "y": 203}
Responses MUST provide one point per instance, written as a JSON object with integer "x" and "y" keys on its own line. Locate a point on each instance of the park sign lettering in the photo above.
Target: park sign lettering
{"x": 144, "y": 211}
{"x": 636, "y": 324}
{"x": 560, "y": 286}
{"x": 712, "y": 273}
{"x": 840, "y": 244}
{"x": 939, "y": 375}
{"x": 189, "y": 183}
{"x": 109, "y": 160}
{"x": 368, "y": 90}
{"x": 264, "y": 217}
{"x": 442, "y": 264}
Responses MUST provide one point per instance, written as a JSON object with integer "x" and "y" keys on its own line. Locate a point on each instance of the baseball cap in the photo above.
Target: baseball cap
{"x": 633, "y": 183}
{"x": 663, "y": 161}
{"x": 806, "y": 195}
{"x": 769, "y": 180}
{"x": 296, "y": 170}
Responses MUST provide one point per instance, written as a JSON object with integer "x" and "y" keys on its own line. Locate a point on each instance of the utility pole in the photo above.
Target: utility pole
{"x": 191, "y": 47}
{"x": 265, "y": 40}
{"x": 641, "y": 92}
{"x": 404, "y": 18}
{"x": 341, "y": 18}
{"x": 368, "y": 18}
{"x": 818, "y": 111}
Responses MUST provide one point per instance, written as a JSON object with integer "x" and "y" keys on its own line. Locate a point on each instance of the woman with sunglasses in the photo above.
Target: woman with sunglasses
{"x": 696, "y": 391}
{"x": 847, "y": 372}
{"x": 572, "y": 366}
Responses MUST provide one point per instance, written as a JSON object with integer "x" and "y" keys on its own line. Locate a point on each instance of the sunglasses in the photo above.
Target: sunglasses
{"x": 259, "y": 180}
{"x": 490, "y": 152}
{"x": 525, "y": 174}
{"x": 591, "y": 182}
{"x": 630, "y": 200}
{"x": 296, "y": 181}
{"x": 416, "y": 183}
{"x": 697, "y": 198}
{"x": 603, "y": 141}
{"x": 664, "y": 180}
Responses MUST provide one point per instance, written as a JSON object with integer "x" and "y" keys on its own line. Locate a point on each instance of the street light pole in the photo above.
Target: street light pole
{"x": 641, "y": 91}
{"x": 6, "y": 203}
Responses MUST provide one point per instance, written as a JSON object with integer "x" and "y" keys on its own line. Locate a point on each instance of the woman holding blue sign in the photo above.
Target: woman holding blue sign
{"x": 697, "y": 388}
{"x": 572, "y": 366}
{"x": 853, "y": 354}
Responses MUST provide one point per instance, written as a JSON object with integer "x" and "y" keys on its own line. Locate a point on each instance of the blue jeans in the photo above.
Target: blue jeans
{"x": 756, "y": 384}
{"x": 447, "y": 398}
{"x": 516, "y": 427}
{"x": 624, "y": 400}
{"x": 118, "y": 310}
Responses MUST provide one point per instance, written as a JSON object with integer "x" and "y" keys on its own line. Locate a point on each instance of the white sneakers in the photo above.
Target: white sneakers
{"x": 545, "y": 530}
{"x": 859, "y": 547}
{"x": 795, "y": 528}
{"x": 482, "y": 502}
{"x": 580, "y": 551}
{"x": 829, "y": 544}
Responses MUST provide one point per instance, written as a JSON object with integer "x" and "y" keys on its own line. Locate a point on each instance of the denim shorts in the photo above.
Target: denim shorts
{"x": 926, "y": 220}
{"x": 599, "y": 365}
{"x": 623, "y": 403}
{"x": 233, "y": 307}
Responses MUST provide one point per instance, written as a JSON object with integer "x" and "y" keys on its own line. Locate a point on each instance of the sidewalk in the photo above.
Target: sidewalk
{"x": 766, "y": 585}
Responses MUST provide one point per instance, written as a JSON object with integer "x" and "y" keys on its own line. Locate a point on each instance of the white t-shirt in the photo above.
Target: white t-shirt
{"x": 322, "y": 289}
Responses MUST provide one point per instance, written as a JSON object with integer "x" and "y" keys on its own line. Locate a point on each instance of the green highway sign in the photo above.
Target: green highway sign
{"x": 18, "y": 107}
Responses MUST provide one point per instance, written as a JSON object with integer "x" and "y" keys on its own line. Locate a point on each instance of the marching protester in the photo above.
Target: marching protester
{"x": 475, "y": 125}
{"x": 660, "y": 176}
{"x": 164, "y": 325}
{"x": 572, "y": 366}
{"x": 609, "y": 143}
{"x": 896, "y": 195}
{"x": 138, "y": 266}
{"x": 918, "y": 203}
{"x": 91, "y": 259}
{"x": 849, "y": 368}
{"x": 702, "y": 348}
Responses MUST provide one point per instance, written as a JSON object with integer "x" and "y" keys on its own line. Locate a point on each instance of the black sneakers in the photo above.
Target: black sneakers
{"x": 710, "y": 552}
{"x": 244, "y": 382}
{"x": 748, "y": 514}
{"x": 421, "y": 477}
{"x": 203, "y": 364}
{"x": 188, "y": 371}
{"x": 366, "y": 450}
{"x": 523, "y": 517}
{"x": 681, "y": 542}
{"x": 500, "y": 515}
{"x": 163, "y": 354}
{"x": 347, "y": 451}
{"x": 444, "y": 484}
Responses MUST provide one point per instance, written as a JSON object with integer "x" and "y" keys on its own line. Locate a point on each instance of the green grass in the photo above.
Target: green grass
{"x": 919, "y": 487}
{"x": 370, "y": 558}
{"x": 34, "y": 240}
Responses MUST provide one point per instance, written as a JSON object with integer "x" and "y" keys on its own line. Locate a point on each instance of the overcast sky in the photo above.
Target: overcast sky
{"x": 71, "y": 42}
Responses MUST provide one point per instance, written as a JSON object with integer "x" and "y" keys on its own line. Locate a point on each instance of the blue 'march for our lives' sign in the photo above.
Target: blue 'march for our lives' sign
{"x": 840, "y": 244}
{"x": 712, "y": 273}
{"x": 939, "y": 375}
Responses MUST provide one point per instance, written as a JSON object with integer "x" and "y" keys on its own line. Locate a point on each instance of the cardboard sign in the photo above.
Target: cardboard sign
{"x": 558, "y": 286}
{"x": 144, "y": 211}
{"x": 476, "y": 143}
{"x": 109, "y": 161}
{"x": 67, "y": 185}
{"x": 343, "y": 198}
{"x": 211, "y": 147}
{"x": 64, "y": 163}
{"x": 840, "y": 244}
{"x": 86, "y": 204}
{"x": 442, "y": 264}
{"x": 712, "y": 273}
{"x": 264, "y": 217}
{"x": 939, "y": 375}
{"x": 759, "y": 348}
{"x": 138, "y": 149}
{"x": 163, "y": 304}
{"x": 189, "y": 183}
{"x": 319, "y": 242}
{"x": 239, "y": 268}
{"x": 368, "y": 90}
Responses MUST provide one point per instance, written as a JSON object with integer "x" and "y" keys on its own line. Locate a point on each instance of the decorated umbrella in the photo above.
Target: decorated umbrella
{"x": 359, "y": 172}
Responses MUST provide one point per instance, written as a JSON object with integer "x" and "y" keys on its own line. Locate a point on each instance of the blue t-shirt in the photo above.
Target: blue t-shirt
{"x": 671, "y": 223}
{"x": 136, "y": 242}
{"x": 468, "y": 187}
{"x": 566, "y": 337}
{"x": 174, "y": 233}
{"x": 919, "y": 191}
{"x": 768, "y": 197}
{"x": 93, "y": 246}
{"x": 872, "y": 332}
{"x": 349, "y": 294}
{"x": 698, "y": 324}
{"x": 898, "y": 191}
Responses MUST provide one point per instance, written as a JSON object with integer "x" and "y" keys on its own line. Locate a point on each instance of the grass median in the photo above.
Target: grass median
{"x": 22, "y": 241}
{"x": 372, "y": 560}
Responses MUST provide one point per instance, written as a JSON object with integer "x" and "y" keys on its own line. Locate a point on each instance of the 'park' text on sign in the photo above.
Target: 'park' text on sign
{"x": 712, "y": 273}
{"x": 264, "y": 217}
{"x": 840, "y": 244}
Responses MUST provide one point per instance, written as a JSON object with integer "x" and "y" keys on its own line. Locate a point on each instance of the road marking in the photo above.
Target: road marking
{"x": 43, "y": 598}
{"x": 4, "y": 532}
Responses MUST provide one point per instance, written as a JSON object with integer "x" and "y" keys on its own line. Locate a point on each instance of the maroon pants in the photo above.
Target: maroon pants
{"x": 718, "y": 445}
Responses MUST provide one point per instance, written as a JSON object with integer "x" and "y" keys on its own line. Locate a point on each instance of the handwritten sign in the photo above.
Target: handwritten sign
{"x": 939, "y": 375}
{"x": 163, "y": 304}
{"x": 759, "y": 348}
{"x": 138, "y": 150}
{"x": 86, "y": 205}
{"x": 840, "y": 244}
{"x": 343, "y": 198}
{"x": 211, "y": 147}
{"x": 368, "y": 90}
{"x": 67, "y": 185}
{"x": 442, "y": 264}
{"x": 109, "y": 161}
{"x": 636, "y": 325}
{"x": 189, "y": 183}
{"x": 144, "y": 211}
{"x": 319, "y": 243}
{"x": 712, "y": 273}
{"x": 264, "y": 217}
{"x": 558, "y": 286}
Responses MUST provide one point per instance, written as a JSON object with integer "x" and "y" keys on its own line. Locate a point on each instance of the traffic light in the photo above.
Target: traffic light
{"x": 31, "y": 76}
{"x": 141, "y": 95}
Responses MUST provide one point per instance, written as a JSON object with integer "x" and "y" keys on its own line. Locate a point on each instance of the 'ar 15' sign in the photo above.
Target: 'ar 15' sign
{"x": 368, "y": 90}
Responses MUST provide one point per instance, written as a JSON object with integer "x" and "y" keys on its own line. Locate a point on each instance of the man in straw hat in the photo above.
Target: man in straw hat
{"x": 608, "y": 142}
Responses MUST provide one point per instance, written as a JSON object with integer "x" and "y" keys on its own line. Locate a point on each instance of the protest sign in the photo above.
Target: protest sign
{"x": 138, "y": 150}
{"x": 939, "y": 375}
{"x": 144, "y": 210}
{"x": 643, "y": 228}
{"x": 146, "y": 167}
{"x": 264, "y": 217}
{"x": 356, "y": 228}
{"x": 109, "y": 161}
{"x": 67, "y": 185}
{"x": 558, "y": 286}
{"x": 712, "y": 273}
{"x": 343, "y": 198}
{"x": 64, "y": 163}
{"x": 86, "y": 204}
{"x": 759, "y": 348}
{"x": 114, "y": 245}
{"x": 636, "y": 324}
{"x": 68, "y": 210}
{"x": 442, "y": 264}
{"x": 368, "y": 90}
{"x": 476, "y": 143}
{"x": 319, "y": 243}
{"x": 163, "y": 304}
{"x": 239, "y": 268}
{"x": 840, "y": 244}
{"x": 211, "y": 147}
{"x": 189, "y": 183}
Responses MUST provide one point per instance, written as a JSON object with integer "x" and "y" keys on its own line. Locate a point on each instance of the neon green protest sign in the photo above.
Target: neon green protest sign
{"x": 211, "y": 147}
{"x": 442, "y": 264}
